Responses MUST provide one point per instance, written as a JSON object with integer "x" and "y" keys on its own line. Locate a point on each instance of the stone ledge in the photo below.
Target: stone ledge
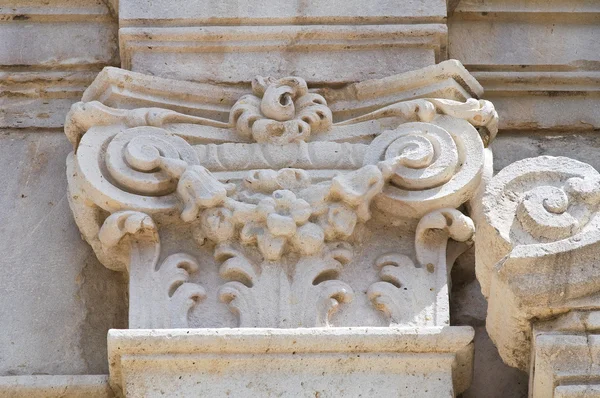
{"x": 322, "y": 53}
{"x": 89, "y": 386}
{"x": 384, "y": 361}
{"x": 40, "y": 99}
{"x": 122, "y": 89}
{"x": 235, "y": 12}
{"x": 551, "y": 100}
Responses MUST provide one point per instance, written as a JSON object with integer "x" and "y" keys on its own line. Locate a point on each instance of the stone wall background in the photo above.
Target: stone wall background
{"x": 57, "y": 301}
{"x": 539, "y": 62}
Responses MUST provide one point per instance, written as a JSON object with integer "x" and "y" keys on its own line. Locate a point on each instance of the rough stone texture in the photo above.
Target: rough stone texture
{"x": 512, "y": 146}
{"x": 492, "y": 378}
{"x": 539, "y": 67}
{"x": 48, "y": 55}
{"x": 58, "y": 301}
{"x": 234, "y": 12}
{"x": 536, "y": 260}
{"x": 537, "y": 60}
{"x": 310, "y": 223}
{"x": 352, "y": 362}
{"x": 89, "y": 386}
{"x": 322, "y": 41}
{"x": 233, "y": 54}
{"x": 566, "y": 356}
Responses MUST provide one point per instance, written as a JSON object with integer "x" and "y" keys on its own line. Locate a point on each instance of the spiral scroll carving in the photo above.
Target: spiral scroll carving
{"x": 538, "y": 236}
{"x": 560, "y": 204}
{"x": 538, "y": 207}
{"x": 544, "y": 213}
{"x": 147, "y": 160}
{"x": 423, "y": 158}
{"x": 134, "y": 169}
{"x": 428, "y": 165}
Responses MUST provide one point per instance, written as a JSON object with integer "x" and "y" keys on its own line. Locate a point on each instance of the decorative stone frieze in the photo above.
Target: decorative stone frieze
{"x": 537, "y": 245}
{"x": 282, "y": 217}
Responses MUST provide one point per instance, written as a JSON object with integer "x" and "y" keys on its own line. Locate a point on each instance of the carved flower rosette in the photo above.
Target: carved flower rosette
{"x": 285, "y": 201}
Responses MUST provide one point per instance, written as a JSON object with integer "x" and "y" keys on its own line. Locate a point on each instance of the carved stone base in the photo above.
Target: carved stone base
{"x": 565, "y": 360}
{"x": 316, "y": 362}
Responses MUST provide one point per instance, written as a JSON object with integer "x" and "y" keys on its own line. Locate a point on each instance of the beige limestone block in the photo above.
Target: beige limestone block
{"x": 566, "y": 356}
{"x": 57, "y": 300}
{"x": 91, "y": 386}
{"x": 352, "y": 362}
{"x": 321, "y": 53}
{"x": 69, "y": 33}
{"x": 40, "y": 99}
{"x": 49, "y": 54}
{"x": 235, "y": 12}
{"x": 538, "y": 60}
{"x": 537, "y": 246}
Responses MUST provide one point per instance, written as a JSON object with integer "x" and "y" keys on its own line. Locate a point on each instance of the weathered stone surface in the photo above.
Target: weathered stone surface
{"x": 236, "y": 12}
{"x": 58, "y": 301}
{"x": 383, "y": 362}
{"x": 512, "y": 33}
{"x": 323, "y": 41}
{"x": 566, "y": 356}
{"x": 538, "y": 60}
{"x": 540, "y": 100}
{"x": 49, "y": 54}
{"x": 35, "y": 34}
{"x": 324, "y": 54}
{"x": 124, "y": 89}
{"x": 511, "y": 147}
{"x": 40, "y": 99}
{"x": 492, "y": 378}
{"x": 310, "y": 223}
{"x": 535, "y": 214}
{"x": 55, "y": 386}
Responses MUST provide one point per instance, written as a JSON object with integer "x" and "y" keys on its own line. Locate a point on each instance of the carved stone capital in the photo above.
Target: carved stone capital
{"x": 537, "y": 248}
{"x": 282, "y": 216}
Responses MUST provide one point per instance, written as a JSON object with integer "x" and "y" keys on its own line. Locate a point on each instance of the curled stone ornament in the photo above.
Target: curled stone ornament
{"x": 280, "y": 195}
{"x": 280, "y": 111}
{"x": 427, "y": 165}
{"x": 147, "y": 160}
{"x": 537, "y": 242}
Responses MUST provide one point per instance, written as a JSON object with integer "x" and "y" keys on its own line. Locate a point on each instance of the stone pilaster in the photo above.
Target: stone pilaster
{"x": 275, "y": 229}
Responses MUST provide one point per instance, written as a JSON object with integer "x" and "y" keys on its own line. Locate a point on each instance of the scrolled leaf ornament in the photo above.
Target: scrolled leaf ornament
{"x": 148, "y": 161}
{"x": 427, "y": 165}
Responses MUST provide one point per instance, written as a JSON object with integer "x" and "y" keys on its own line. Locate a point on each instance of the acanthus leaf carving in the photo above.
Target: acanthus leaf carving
{"x": 412, "y": 293}
{"x": 166, "y": 287}
{"x": 304, "y": 293}
{"x": 404, "y": 291}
